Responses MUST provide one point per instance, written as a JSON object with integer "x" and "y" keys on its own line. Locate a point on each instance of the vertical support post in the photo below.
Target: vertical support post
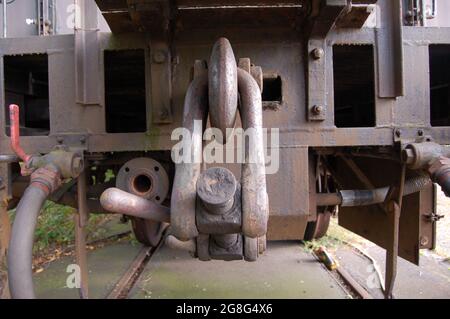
{"x": 5, "y": 25}
{"x": 39, "y": 16}
{"x": 81, "y": 220}
{"x": 389, "y": 46}
{"x": 160, "y": 13}
{"x": 87, "y": 53}
{"x": 45, "y": 19}
{"x": 393, "y": 202}
{"x": 328, "y": 13}
{"x": 161, "y": 79}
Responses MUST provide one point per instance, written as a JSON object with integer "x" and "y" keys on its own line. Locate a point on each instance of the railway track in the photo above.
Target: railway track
{"x": 130, "y": 277}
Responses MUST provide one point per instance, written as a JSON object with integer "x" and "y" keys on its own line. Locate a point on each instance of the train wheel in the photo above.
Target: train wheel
{"x": 324, "y": 184}
{"x": 318, "y": 228}
{"x": 147, "y": 232}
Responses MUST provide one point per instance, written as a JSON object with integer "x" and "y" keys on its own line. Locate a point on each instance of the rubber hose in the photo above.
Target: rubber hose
{"x": 20, "y": 254}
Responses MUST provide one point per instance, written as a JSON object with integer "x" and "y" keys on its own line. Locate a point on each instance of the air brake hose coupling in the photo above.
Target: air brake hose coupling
{"x": 47, "y": 178}
{"x": 440, "y": 173}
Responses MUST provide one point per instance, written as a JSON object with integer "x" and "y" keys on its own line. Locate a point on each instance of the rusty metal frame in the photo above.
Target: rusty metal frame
{"x": 84, "y": 127}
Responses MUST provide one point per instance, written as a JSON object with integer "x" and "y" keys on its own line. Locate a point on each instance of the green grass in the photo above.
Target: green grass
{"x": 56, "y": 226}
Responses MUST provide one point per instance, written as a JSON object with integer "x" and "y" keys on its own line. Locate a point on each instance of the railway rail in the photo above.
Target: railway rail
{"x": 131, "y": 276}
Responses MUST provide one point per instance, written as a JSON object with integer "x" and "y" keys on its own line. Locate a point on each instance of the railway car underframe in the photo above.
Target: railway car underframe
{"x": 361, "y": 117}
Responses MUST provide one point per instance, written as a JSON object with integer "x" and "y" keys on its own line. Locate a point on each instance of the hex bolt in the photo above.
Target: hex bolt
{"x": 317, "y": 53}
{"x": 159, "y": 56}
{"x": 163, "y": 115}
{"x": 226, "y": 240}
{"x": 216, "y": 188}
{"x": 317, "y": 109}
{"x": 420, "y": 132}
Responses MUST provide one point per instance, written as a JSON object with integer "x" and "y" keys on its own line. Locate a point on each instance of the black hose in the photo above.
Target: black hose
{"x": 353, "y": 198}
{"x": 20, "y": 254}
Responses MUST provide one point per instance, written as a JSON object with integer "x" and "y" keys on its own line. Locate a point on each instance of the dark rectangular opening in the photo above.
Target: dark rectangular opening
{"x": 354, "y": 86}
{"x": 272, "y": 95}
{"x": 439, "y": 84}
{"x": 26, "y": 84}
{"x": 272, "y": 91}
{"x": 125, "y": 94}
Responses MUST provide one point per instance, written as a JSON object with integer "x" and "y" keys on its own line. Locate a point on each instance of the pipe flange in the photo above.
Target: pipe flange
{"x": 144, "y": 177}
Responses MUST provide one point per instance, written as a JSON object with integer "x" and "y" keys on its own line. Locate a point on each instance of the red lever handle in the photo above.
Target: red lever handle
{"x": 15, "y": 133}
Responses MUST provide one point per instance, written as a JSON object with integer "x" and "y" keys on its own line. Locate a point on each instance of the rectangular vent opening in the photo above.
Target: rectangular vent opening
{"x": 439, "y": 84}
{"x": 272, "y": 95}
{"x": 354, "y": 86}
{"x": 26, "y": 84}
{"x": 125, "y": 91}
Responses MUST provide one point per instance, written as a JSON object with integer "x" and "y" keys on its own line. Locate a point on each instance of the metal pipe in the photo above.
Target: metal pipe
{"x": 15, "y": 133}
{"x": 5, "y": 26}
{"x": 255, "y": 202}
{"x": 439, "y": 171}
{"x": 45, "y": 20}
{"x": 120, "y": 202}
{"x": 184, "y": 191}
{"x": 352, "y": 198}
{"x": 421, "y": 155}
{"x": 423, "y": 14}
{"x": 328, "y": 199}
{"x": 39, "y": 16}
{"x": 9, "y": 159}
{"x": 434, "y": 9}
{"x": 81, "y": 220}
{"x": 43, "y": 182}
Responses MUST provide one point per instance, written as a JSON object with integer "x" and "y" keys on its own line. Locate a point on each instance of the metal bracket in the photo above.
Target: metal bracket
{"x": 161, "y": 82}
{"x": 87, "y": 54}
{"x": 73, "y": 141}
{"x": 320, "y": 26}
{"x": 393, "y": 204}
{"x": 81, "y": 221}
{"x": 389, "y": 46}
{"x": 317, "y": 104}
